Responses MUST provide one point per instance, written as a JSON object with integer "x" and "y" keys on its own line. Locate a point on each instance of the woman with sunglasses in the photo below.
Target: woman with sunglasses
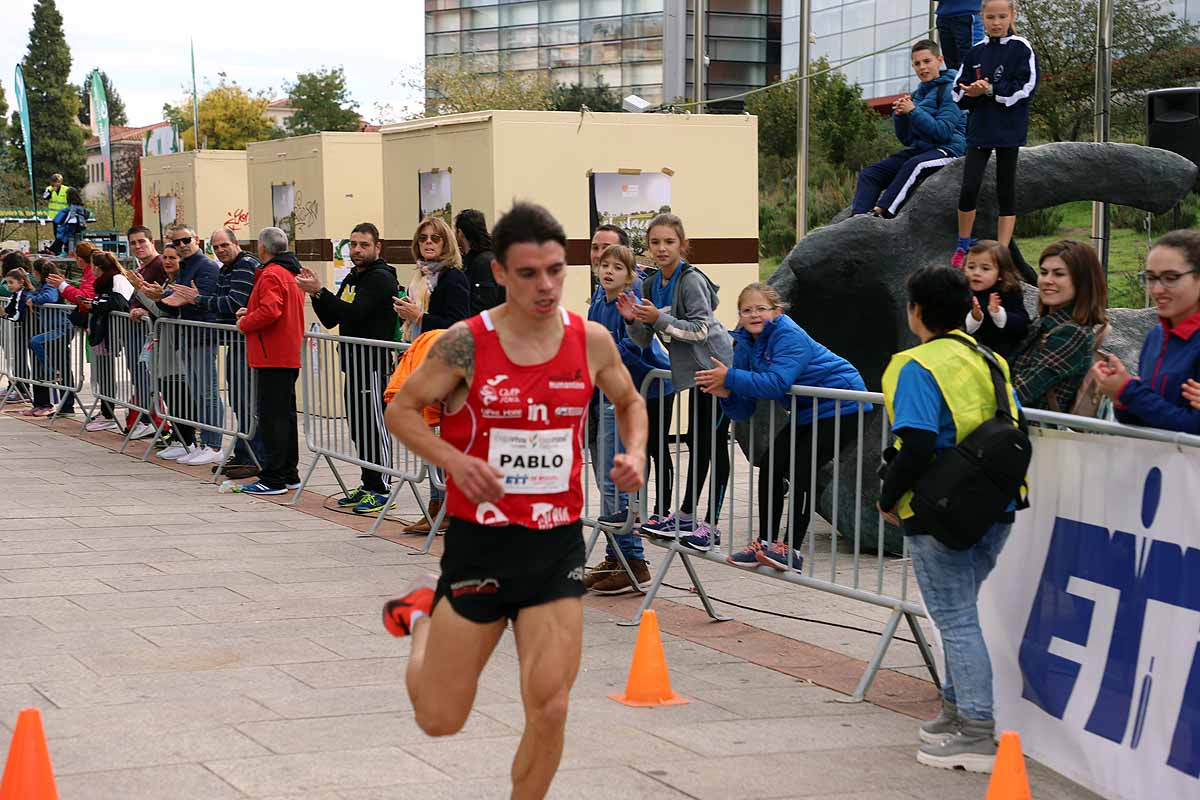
{"x": 439, "y": 293}
{"x": 1170, "y": 358}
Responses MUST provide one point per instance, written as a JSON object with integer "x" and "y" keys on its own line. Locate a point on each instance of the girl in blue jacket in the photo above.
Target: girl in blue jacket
{"x": 771, "y": 354}
{"x": 1170, "y": 358}
{"x": 996, "y": 84}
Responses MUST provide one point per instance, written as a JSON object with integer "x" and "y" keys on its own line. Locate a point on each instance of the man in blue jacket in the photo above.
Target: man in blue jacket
{"x": 932, "y": 129}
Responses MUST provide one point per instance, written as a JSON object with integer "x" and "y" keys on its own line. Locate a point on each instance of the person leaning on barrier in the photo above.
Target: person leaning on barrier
{"x": 475, "y": 244}
{"x": 1049, "y": 366}
{"x": 235, "y": 281}
{"x": 150, "y": 269}
{"x": 362, "y": 308}
{"x": 77, "y": 296}
{"x": 938, "y": 393}
{"x": 51, "y": 326}
{"x": 113, "y": 293}
{"x": 1170, "y": 357}
{"x": 771, "y": 353}
{"x": 273, "y": 321}
{"x": 198, "y": 346}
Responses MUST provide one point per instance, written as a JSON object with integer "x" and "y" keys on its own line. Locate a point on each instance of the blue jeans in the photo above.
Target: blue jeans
{"x": 201, "y": 360}
{"x": 613, "y": 501}
{"x": 950, "y": 581}
{"x": 435, "y": 494}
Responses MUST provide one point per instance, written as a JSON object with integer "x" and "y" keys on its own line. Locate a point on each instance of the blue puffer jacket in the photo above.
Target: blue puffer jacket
{"x": 638, "y": 360}
{"x": 937, "y": 122}
{"x": 1010, "y": 65}
{"x": 1169, "y": 357}
{"x": 783, "y": 356}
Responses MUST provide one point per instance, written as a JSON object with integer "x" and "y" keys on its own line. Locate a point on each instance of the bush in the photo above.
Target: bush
{"x": 1043, "y": 222}
{"x": 1135, "y": 218}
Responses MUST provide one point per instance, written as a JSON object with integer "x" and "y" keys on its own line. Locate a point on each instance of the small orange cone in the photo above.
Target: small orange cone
{"x": 27, "y": 773}
{"x": 1009, "y": 781}
{"x": 649, "y": 684}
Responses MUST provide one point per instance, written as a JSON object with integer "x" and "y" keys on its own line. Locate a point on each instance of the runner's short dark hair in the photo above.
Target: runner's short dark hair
{"x": 943, "y": 295}
{"x": 526, "y": 223}
{"x": 622, "y": 236}
{"x": 369, "y": 229}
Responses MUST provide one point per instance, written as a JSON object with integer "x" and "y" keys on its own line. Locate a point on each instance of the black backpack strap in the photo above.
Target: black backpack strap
{"x": 942, "y": 94}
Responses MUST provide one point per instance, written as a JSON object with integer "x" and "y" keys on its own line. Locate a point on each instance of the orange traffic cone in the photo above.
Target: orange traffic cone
{"x": 649, "y": 684}
{"x": 1009, "y": 781}
{"x": 27, "y": 773}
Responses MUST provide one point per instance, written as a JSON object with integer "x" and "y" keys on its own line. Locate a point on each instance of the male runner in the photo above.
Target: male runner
{"x": 515, "y": 382}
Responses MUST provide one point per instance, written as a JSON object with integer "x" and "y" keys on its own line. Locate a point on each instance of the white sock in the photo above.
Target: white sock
{"x": 683, "y": 517}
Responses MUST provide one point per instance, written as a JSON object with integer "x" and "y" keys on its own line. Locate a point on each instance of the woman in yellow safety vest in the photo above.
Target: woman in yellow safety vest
{"x": 55, "y": 195}
{"x": 936, "y": 394}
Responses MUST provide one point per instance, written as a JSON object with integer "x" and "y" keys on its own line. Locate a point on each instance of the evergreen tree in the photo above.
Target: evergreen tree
{"x": 322, "y": 103}
{"x": 572, "y": 97}
{"x": 3, "y": 128}
{"x": 116, "y": 106}
{"x": 53, "y": 103}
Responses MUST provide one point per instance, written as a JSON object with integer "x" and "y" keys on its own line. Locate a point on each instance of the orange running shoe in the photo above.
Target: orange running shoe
{"x": 401, "y": 614}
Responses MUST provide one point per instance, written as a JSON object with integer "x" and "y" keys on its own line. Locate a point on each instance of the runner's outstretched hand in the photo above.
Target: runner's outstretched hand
{"x": 479, "y": 480}
{"x": 627, "y": 471}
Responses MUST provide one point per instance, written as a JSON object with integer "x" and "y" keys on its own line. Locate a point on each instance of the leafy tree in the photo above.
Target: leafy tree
{"x": 53, "y": 103}
{"x": 230, "y": 118}
{"x": 600, "y": 97}
{"x": 449, "y": 91}
{"x": 322, "y": 103}
{"x": 845, "y": 131}
{"x": 3, "y": 127}
{"x": 1152, "y": 48}
{"x": 116, "y": 106}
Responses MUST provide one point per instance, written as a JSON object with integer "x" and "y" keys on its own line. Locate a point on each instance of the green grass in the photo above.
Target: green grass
{"x": 1126, "y": 257}
{"x": 767, "y": 266}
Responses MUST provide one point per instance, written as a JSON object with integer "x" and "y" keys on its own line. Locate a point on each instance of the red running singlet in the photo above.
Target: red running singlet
{"x": 528, "y": 422}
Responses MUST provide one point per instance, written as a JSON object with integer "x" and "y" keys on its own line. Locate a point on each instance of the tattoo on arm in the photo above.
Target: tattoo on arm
{"x": 457, "y": 349}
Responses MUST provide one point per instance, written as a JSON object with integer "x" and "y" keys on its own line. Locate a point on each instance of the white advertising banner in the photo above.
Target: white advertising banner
{"x": 1092, "y": 616}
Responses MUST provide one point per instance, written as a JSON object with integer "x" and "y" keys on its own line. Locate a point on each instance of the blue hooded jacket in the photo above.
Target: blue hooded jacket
{"x": 1002, "y": 119}
{"x": 638, "y": 360}
{"x": 1170, "y": 355}
{"x": 783, "y": 356}
{"x": 937, "y": 123}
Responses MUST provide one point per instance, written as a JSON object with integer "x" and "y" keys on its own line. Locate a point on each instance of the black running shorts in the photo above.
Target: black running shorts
{"x": 492, "y": 572}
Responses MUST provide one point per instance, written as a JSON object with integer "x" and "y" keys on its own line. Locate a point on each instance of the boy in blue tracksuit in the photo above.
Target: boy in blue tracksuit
{"x": 958, "y": 29}
{"x": 932, "y": 129}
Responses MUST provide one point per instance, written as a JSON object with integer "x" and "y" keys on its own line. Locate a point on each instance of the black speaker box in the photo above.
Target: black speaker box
{"x": 1173, "y": 121}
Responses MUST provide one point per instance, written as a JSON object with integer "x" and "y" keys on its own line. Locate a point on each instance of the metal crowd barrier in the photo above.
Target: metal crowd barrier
{"x": 120, "y": 376}
{"x": 342, "y": 384}
{"x": 188, "y": 358}
{"x": 44, "y": 351}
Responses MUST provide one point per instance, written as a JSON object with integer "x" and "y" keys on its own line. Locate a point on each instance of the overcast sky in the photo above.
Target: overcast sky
{"x": 258, "y": 43}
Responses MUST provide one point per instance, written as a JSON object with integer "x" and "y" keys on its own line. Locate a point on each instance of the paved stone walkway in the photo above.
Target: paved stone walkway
{"x": 187, "y": 644}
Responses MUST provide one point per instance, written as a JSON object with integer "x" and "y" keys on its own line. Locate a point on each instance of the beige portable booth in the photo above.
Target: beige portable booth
{"x": 586, "y": 168}
{"x": 202, "y": 188}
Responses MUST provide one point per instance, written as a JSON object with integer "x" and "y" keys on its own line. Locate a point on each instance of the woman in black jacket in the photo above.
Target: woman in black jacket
{"x": 439, "y": 293}
{"x": 470, "y": 228}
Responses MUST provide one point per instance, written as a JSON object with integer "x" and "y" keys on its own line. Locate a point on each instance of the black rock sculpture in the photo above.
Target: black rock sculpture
{"x": 845, "y": 282}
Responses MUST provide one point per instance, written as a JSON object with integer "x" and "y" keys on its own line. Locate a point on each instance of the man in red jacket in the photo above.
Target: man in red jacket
{"x": 273, "y": 323}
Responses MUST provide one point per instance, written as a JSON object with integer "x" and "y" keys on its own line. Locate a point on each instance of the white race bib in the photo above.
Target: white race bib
{"x": 533, "y": 462}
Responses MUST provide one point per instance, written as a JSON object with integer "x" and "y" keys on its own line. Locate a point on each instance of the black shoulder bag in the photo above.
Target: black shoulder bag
{"x": 968, "y": 487}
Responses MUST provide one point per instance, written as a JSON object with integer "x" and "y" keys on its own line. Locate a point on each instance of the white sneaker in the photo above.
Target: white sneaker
{"x": 174, "y": 452}
{"x": 201, "y": 457}
{"x": 142, "y": 430}
{"x": 101, "y": 425}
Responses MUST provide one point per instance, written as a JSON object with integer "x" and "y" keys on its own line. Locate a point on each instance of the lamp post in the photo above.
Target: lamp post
{"x": 698, "y": 51}
{"x": 1103, "y": 117}
{"x": 802, "y": 122}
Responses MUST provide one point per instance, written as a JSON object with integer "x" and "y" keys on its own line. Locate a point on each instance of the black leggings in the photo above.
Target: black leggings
{"x": 705, "y": 411}
{"x": 773, "y": 473}
{"x": 1006, "y": 179}
{"x": 178, "y": 397}
{"x": 658, "y": 450}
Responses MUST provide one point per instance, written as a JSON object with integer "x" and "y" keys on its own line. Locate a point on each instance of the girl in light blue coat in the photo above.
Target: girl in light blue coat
{"x": 771, "y": 354}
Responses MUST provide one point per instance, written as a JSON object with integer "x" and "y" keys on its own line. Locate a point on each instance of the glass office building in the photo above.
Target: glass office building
{"x": 638, "y": 47}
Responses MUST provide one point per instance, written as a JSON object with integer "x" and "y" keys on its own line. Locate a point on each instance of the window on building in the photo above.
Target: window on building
{"x": 558, "y": 10}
